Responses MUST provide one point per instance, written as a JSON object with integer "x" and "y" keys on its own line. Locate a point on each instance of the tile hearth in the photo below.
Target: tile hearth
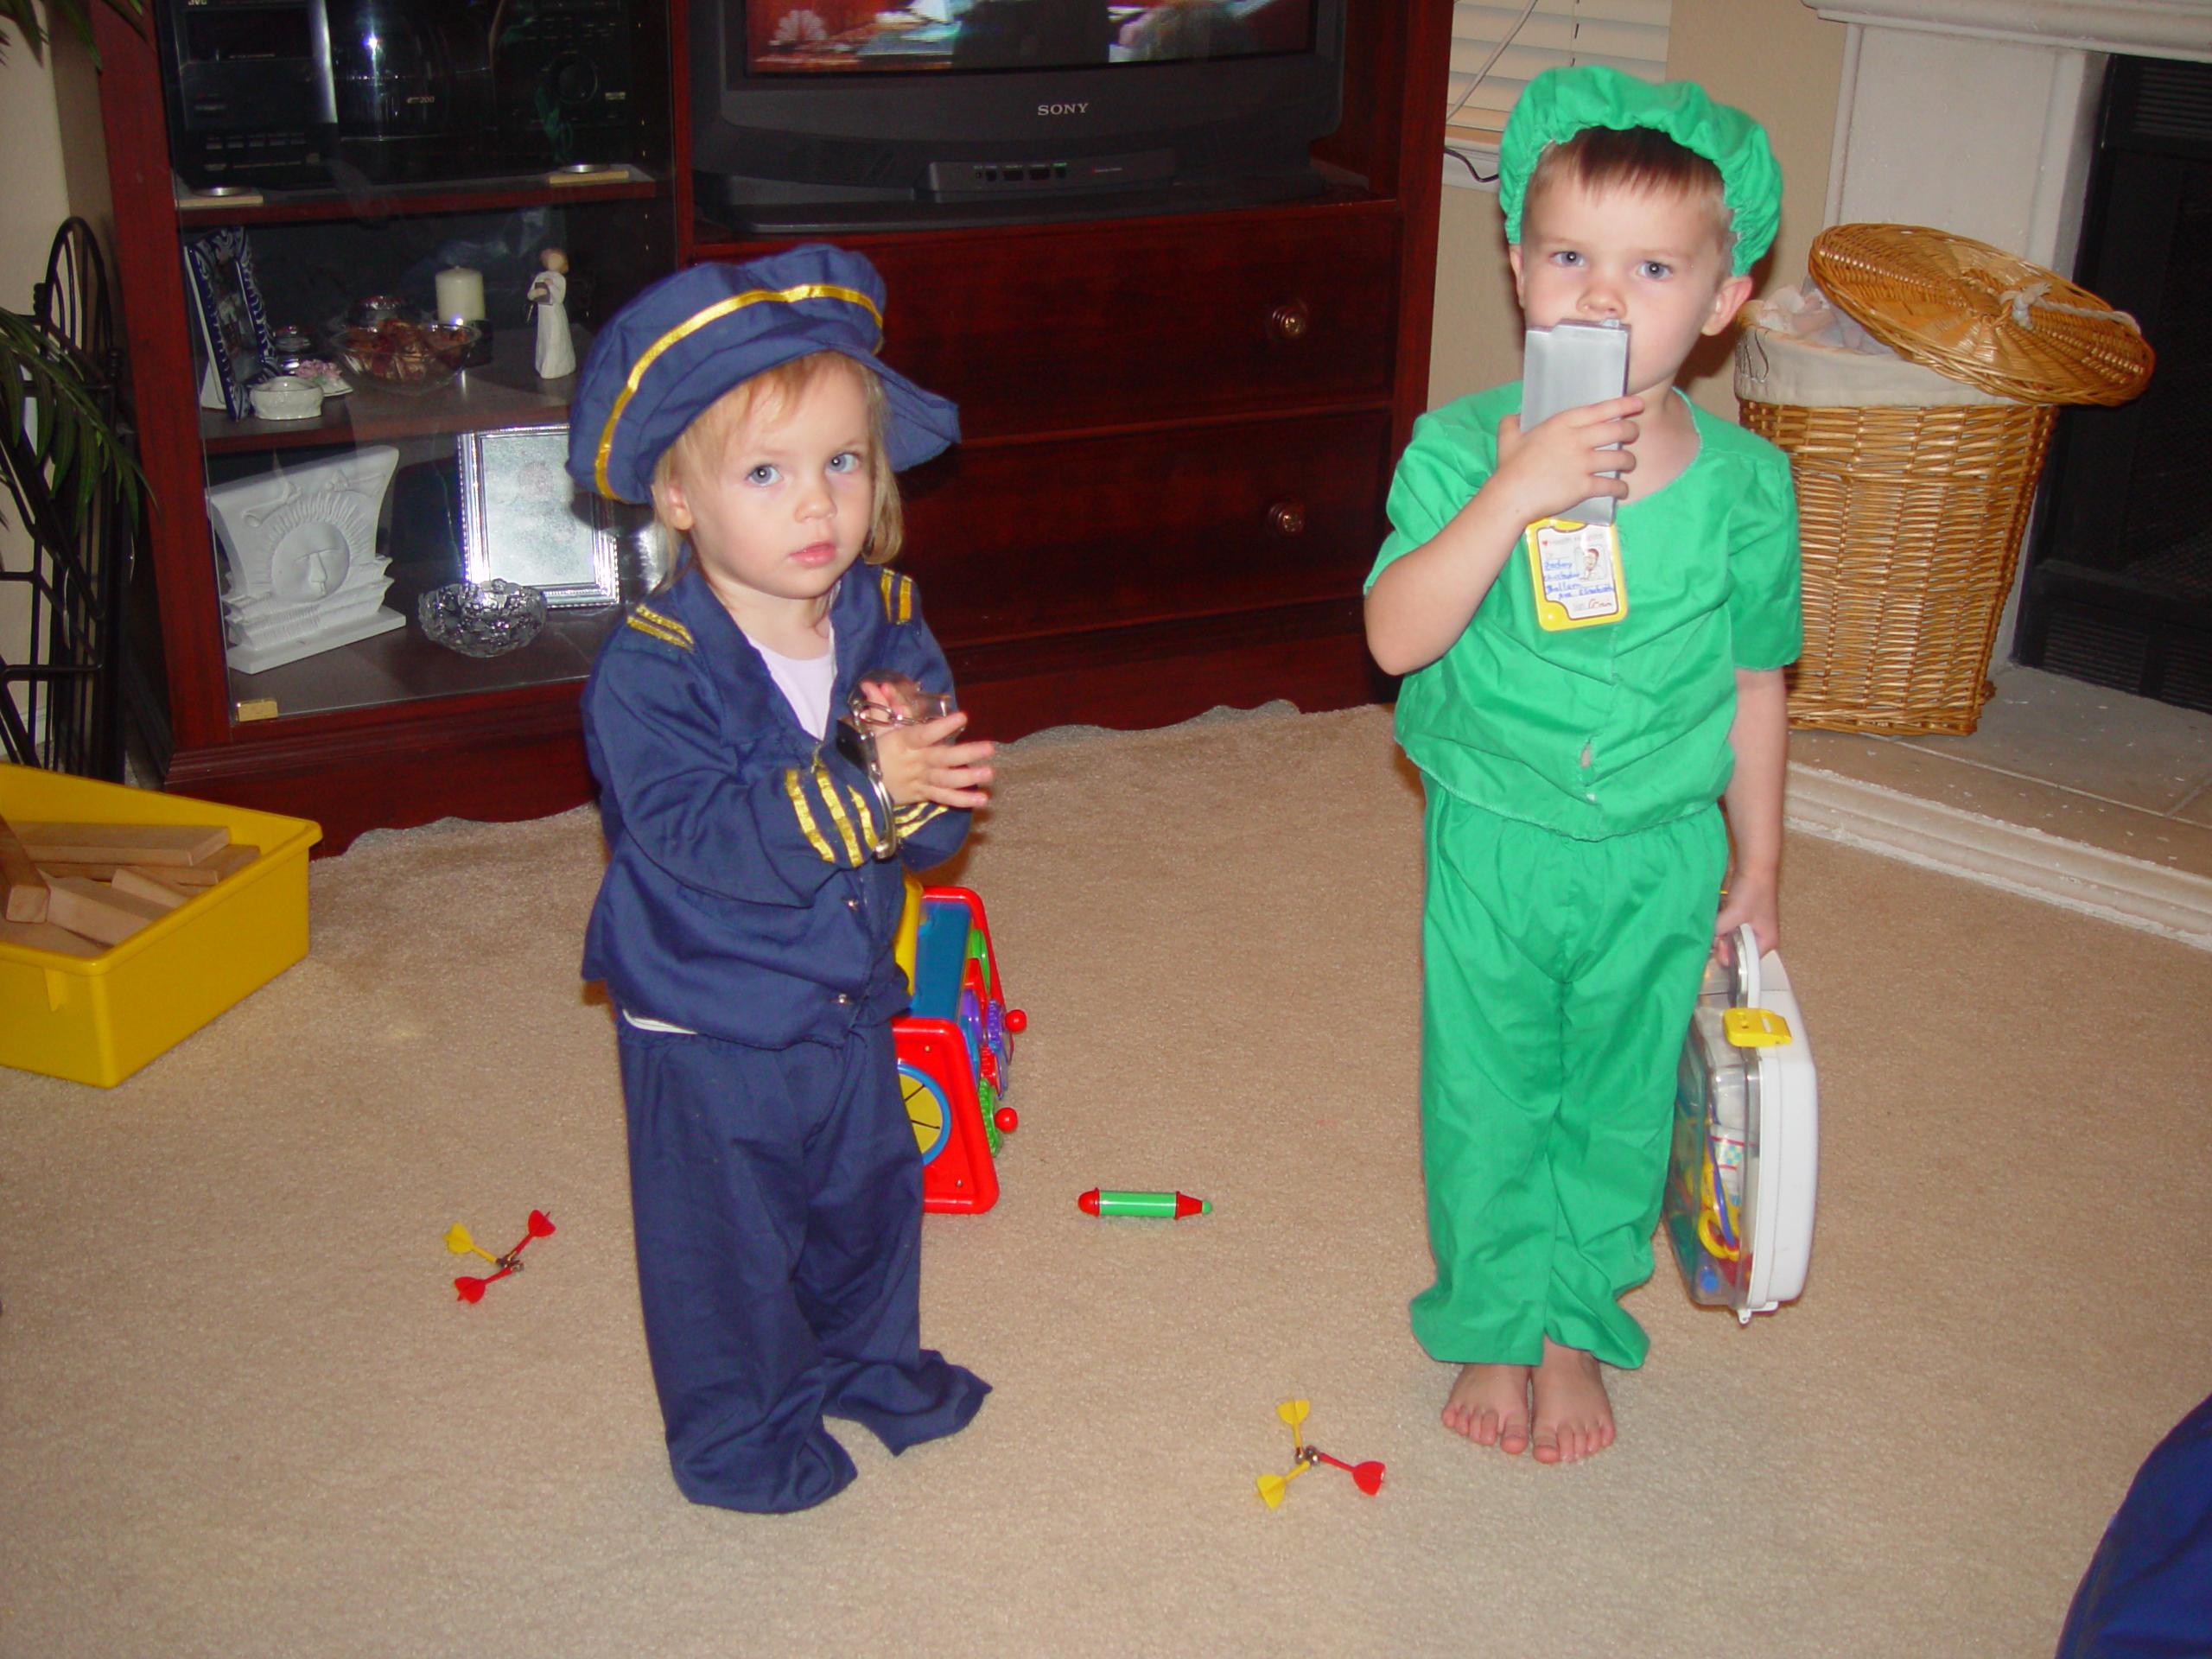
{"x": 2087, "y": 797}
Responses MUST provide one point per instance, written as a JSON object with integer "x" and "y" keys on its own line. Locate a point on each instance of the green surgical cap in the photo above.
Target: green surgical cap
{"x": 1560, "y": 103}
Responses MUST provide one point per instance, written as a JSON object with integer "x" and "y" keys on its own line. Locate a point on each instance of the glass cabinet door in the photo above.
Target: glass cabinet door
{"x": 384, "y": 426}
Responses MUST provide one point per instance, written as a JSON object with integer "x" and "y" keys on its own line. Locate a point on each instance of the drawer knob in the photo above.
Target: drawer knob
{"x": 1287, "y": 517}
{"x": 1290, "y": 320}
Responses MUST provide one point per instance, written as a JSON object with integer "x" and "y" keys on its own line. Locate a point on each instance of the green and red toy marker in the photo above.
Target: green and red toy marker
{"x": 1166, "y": 1206}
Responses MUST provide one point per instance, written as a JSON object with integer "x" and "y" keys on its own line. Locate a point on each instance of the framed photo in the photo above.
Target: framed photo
{"x": 524, "y": 520}
{"x": 233, "y": 324}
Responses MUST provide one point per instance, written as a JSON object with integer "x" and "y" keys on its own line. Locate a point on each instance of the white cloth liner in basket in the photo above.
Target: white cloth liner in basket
{"x": 1796, "y": 348}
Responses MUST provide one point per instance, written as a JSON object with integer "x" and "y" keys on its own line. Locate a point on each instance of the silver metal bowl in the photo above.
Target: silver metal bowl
{"x": 482, "y": 619}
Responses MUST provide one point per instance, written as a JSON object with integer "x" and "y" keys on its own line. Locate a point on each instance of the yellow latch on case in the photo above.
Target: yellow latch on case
{"x": 1754, "y": 1027}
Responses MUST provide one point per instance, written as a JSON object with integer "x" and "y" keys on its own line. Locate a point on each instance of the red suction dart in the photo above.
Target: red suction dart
{"x": 540, "y": 1226}
{"x": 1368, "y": 1475}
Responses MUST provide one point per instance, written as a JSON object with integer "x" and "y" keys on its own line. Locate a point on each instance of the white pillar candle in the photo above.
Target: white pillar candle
{"x": 461, "y": 294}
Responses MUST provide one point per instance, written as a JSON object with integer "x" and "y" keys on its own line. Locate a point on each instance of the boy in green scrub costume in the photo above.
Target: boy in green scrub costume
{"x": 1574, "y": 770}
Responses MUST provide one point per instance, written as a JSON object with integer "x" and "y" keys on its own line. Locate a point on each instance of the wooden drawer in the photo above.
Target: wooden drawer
{"x": 1015, "y": 541}
{"x": 1148, "y": 321}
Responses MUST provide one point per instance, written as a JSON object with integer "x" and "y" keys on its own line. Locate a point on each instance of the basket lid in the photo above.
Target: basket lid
{"x": 1982, "y": 315}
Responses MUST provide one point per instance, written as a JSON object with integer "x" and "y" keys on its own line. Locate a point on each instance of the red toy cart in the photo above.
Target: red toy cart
{"x": 956, "y": 1047}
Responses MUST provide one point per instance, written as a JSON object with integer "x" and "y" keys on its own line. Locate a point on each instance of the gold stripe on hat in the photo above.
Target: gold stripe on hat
{"x": 692, "y": 325}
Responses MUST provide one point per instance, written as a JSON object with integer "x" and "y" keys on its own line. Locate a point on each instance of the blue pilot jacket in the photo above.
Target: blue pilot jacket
{"x": 742, "y": 899}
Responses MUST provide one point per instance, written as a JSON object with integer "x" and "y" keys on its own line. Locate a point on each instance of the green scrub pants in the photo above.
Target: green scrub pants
{"x": 1560, "y": 977}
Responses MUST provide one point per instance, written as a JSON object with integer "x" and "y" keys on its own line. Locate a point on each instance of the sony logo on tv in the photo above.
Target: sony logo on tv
{"x": 1062, "y": 109}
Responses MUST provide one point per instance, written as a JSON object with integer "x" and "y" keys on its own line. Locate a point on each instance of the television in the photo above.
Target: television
{"x": 822, "y": 116}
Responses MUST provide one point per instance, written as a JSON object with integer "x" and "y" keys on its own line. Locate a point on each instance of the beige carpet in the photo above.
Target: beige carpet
{"x": 241, "y": 1413}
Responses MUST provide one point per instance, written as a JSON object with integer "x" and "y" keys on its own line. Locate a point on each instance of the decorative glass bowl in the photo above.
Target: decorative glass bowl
{"x": 482, "y": 619}
{"x": 403, "y": 351}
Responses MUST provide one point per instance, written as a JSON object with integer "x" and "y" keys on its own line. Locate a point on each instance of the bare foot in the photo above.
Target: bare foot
{"x": 1575, "y": 1417}
{"x": 1489, "y": 1406}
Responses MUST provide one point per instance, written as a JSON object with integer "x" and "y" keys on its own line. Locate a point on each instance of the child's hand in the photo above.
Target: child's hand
{"x": 899, "y": 698}
{"x": 1562, "y": 461}
{"x": 921, "y": 763}
{"x": 1751, "y": 897}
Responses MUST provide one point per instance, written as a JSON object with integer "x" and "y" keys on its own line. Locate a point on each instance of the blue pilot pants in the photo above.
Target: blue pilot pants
{"x": 1559, "y": 977}
{"x": 778, "y": 1199}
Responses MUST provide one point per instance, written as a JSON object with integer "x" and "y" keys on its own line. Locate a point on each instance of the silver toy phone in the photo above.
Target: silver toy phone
{"x": 1570, "y": 365}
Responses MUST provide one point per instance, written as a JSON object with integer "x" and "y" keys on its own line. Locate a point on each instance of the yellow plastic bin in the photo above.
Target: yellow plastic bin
{"x": 98, "y": 1018}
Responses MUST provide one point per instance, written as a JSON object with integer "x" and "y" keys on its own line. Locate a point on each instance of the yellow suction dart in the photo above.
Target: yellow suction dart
{"x": 1272, "y": 1487}
{"x": 459, "y": 1242}
{"x": 1368, "y": 1475}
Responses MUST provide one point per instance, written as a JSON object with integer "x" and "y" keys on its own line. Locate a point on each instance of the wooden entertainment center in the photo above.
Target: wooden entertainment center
{"x": 1178, "y": 435}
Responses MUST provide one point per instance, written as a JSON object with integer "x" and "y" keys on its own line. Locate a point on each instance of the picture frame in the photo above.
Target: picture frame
{"x": 234, "y": 323}
{"x": 524, "y": 520}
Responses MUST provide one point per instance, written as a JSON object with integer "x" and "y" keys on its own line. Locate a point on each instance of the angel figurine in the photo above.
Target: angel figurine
{"x": 548, "y": 291}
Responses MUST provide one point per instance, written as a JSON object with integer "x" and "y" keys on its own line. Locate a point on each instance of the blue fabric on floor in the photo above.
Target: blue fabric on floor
{"x": 2148, "y": 1591}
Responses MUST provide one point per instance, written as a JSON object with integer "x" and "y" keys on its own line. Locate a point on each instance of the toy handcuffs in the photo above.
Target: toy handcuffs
{"x": 856, "y": 733}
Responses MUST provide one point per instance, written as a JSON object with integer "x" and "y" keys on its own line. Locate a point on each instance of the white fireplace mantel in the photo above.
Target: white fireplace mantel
{"x": 1977, "y": 117}
{"x": 2151, "y": 29}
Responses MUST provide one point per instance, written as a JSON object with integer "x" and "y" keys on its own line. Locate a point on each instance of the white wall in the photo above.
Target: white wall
{"x": 34, "y": 203}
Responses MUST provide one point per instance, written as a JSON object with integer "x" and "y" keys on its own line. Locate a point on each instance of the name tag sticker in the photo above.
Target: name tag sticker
{"x": 1576, "y": 570}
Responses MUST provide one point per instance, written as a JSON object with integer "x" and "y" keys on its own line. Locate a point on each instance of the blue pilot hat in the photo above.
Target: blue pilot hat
{"x": 690, "y": 338}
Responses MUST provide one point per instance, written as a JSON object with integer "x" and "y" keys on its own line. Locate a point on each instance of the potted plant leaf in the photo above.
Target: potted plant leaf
{"x": 43, "y": 386}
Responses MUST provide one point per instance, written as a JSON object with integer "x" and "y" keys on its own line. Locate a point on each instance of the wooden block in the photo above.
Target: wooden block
{"x": 26, "y": 887}
{"x": 232, "y": 859}
{"x": 97, "y": 912}
{"x": 139, "y": 884}
{"x": 54, "y": 869}
{"x": 45, "y": 935}
{"x": 122, "y": 843}
{"x": 189, "y": 878}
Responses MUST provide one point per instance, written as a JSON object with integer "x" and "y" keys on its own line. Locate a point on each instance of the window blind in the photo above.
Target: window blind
{"x": 1629, "y": 34}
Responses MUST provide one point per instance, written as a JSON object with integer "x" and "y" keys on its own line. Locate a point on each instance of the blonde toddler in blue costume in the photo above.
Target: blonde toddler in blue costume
{"x": 744, "y": 925}
{"x": 1576, "y": 848}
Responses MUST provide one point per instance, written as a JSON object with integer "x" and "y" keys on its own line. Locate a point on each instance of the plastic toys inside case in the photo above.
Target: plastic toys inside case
{"x": 1744, "y": 1165}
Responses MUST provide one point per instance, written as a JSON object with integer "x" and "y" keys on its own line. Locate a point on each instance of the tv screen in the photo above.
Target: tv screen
{"x": 800, "y": 37}
{"x": 814, "y": 115}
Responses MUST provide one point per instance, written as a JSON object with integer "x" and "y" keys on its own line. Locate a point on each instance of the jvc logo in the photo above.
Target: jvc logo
{"x": 1062, "y": 109}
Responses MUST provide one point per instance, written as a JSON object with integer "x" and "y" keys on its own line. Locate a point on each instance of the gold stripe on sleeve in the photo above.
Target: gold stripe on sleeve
{"x": 915, "y": 814}
{"x": 827, "y": 786}
{"x": 898, "y": 597}
{"x": 656, "y": 626}
{"x": 806, "y": 815}
{"x": 880, "y": 846}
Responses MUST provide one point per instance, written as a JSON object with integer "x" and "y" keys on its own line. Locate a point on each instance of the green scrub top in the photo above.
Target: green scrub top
{"x": 1602, "y": 730}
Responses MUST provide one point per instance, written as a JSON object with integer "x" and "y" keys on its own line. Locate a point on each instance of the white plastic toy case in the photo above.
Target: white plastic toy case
{"x": 1745, "y": 1165}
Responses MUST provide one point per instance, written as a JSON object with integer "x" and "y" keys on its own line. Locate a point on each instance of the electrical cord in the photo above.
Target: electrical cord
{"x": 1473, "y": 172}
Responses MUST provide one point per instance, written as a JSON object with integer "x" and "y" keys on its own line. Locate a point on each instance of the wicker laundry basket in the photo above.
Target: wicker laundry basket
{"x": 1911, "y": 513}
